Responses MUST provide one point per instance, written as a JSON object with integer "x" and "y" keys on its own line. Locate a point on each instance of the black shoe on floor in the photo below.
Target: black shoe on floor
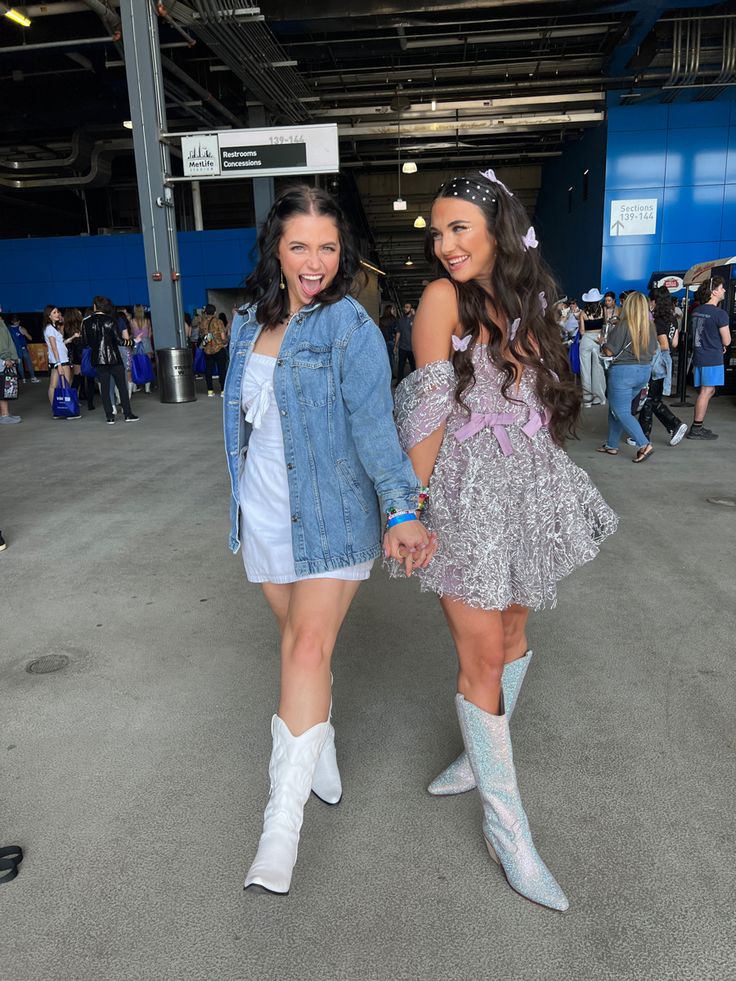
{"x": 3, "y": 544}
{"x": 110, "y": 421}
{"x": 132, "y": 418}
{"x": 701, "y": 433}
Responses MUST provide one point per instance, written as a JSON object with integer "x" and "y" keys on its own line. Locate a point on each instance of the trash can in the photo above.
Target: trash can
{"x": 175, "y": 375}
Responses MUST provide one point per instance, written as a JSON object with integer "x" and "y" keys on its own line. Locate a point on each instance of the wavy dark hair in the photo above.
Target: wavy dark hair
{"x": 664, "y": 304}
{"x": 709, "y": 286}
{"x": 518, "y": 279}
{"x": 262, "y": 285}
{"x": 47, "y": 312}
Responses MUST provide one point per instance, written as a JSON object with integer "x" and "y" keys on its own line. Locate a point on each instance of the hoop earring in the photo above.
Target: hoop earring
{"x": 282, "y": 284}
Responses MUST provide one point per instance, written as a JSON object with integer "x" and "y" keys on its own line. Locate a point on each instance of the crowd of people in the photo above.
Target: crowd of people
{"x": 92, "y": 352}
{"x": 89, "y": 353}
{"x": 622, "y": 353}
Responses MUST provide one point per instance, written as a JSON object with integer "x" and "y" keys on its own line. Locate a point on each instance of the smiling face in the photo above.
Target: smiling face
{"x": 309, "y": 253}
{"x": 461, "y": 240}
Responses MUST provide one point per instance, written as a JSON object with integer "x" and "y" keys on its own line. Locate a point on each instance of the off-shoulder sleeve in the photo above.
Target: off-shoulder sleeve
{"x": 424, "y": 400}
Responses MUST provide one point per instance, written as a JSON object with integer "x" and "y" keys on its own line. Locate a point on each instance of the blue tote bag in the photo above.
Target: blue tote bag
{"x": 87, "y": 368}
{"x": 141, "y": 369}
{"x": 66, "y": 400}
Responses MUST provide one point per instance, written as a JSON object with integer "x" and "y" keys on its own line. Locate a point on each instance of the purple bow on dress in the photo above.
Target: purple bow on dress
{"x": 497, "y": 421}
{"x": 537, "y": 420}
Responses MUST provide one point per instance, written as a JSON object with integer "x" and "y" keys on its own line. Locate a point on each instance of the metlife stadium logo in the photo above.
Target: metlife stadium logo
{"x": 200, "y": 155}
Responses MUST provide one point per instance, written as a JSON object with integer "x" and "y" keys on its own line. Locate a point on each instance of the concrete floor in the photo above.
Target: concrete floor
{"x": 136, "y": 777}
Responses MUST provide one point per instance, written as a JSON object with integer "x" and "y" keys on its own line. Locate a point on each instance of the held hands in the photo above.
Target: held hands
{"x": 410, "y": 543}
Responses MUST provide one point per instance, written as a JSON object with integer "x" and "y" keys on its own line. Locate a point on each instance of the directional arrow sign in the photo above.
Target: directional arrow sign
{"x": 633, "y": 217}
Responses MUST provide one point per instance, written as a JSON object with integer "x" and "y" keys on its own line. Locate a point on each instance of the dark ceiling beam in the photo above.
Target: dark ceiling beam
{"x": 648, "y": 12}
{"x": 276, "y": 10}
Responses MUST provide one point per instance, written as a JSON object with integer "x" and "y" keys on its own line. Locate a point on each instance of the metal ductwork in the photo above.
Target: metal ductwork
{"x": 102, "y": 156}
{"x": 239, "y": 37}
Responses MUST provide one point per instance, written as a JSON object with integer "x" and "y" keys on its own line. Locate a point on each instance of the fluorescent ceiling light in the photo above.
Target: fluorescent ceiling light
{"x": 399, "y": 204}
{"x": 409, "y": 167}
{"x": 419, "y": 222}
{"x": 16, "y": 16}
{"x": 408, "y": 261}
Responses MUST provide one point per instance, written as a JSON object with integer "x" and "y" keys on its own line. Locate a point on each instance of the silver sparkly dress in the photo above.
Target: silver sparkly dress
{"x": 513, "y": 514}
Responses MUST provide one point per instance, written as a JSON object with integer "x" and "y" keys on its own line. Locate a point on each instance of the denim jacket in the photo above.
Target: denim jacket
{"x": 332, "y": 385}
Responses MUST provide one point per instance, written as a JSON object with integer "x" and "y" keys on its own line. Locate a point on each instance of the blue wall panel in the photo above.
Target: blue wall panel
{"x": 570, "y": 237}
{"x": 69, "y": 271}
{"x": 683, "y": 155}
{"x": 639, "y": 161}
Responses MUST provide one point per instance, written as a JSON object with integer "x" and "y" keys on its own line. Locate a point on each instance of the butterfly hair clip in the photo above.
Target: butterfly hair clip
{"x": 529, "y": 241}
{"x": 490, "y": 175}
{"x": 461, "y": 343}
{"x": 543, "y": 302}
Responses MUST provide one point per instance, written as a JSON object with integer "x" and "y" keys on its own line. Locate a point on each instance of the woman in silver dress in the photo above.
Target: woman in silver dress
{"x": 484, "y": 419}
{"x": 312, "y": 448}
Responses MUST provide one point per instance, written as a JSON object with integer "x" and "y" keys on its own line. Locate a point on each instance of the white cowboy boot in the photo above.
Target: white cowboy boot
{"x": 291, "y": 770}
{"x": 458, "y": 777}
{"x": 326, "y": 783}
{"x": 505, "y": 825}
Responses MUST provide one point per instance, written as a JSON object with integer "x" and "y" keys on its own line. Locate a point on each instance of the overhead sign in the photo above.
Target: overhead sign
{"x": 672, "y": 283}
{"x": 268, "y": 152}
{"x": 634, "y": 217}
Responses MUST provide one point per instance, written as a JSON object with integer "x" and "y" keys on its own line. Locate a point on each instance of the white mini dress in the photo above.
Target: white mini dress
{"x": 263, "y": 488}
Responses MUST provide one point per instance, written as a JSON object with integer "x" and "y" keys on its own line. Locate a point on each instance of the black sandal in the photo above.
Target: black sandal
{"x": 643, "y": 454}
{"x": 10, "y": 858}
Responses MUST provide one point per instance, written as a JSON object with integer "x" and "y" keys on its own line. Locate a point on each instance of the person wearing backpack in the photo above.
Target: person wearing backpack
{"x": 213, "y": 340}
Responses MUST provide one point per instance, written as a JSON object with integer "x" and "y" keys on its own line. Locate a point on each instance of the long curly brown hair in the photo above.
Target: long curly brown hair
{"x": 521, "y": 287}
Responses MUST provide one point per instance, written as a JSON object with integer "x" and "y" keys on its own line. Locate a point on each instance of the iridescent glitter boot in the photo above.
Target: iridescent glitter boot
{"x": 505, "y": 826}
{"x": 291, "y": 769}
{"x": 458, "y": 777}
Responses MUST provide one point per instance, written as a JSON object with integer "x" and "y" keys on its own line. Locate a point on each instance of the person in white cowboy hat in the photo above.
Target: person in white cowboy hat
{"x": 592, "y": 376}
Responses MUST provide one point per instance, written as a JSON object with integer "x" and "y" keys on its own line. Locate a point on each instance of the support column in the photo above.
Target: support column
{"x": 263, "y": 187}
{"x": 197, "y": 207}
{"x": 152, "y": 164}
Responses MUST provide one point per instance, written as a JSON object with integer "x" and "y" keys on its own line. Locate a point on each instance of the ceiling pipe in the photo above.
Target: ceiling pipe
{"x": 108, "y": 17}
{"x": 201, "y": 91}
{"x": 71, "y": 43}
{"x": 99, "y": 173}
{"x": 37, "y": 10}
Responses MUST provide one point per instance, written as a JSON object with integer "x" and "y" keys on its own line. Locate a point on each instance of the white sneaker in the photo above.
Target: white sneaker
{"x": 630, "y": 441}
{"x": 34, "y": 381}
{"x": 677, "y": 437}
{"x": 114, "y": 410}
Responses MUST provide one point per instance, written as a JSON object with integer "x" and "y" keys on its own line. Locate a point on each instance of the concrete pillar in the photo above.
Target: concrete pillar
{"x": 152, "y": 163}
{"x": 197, "y": 207}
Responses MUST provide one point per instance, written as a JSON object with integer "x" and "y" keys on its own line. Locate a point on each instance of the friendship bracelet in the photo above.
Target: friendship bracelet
{"x": 397, "y": 519}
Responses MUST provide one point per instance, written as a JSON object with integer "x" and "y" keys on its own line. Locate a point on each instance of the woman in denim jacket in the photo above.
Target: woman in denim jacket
{"x": 311, "y": 448}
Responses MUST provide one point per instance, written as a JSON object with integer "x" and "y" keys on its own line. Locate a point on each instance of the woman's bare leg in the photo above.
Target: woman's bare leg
{"x": 309, "y": 615}
{"x": 480, "y": 643}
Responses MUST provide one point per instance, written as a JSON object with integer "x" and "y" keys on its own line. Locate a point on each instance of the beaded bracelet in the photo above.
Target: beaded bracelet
{"x": 397, "y": 519}
{"x": 422, "y": 504}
